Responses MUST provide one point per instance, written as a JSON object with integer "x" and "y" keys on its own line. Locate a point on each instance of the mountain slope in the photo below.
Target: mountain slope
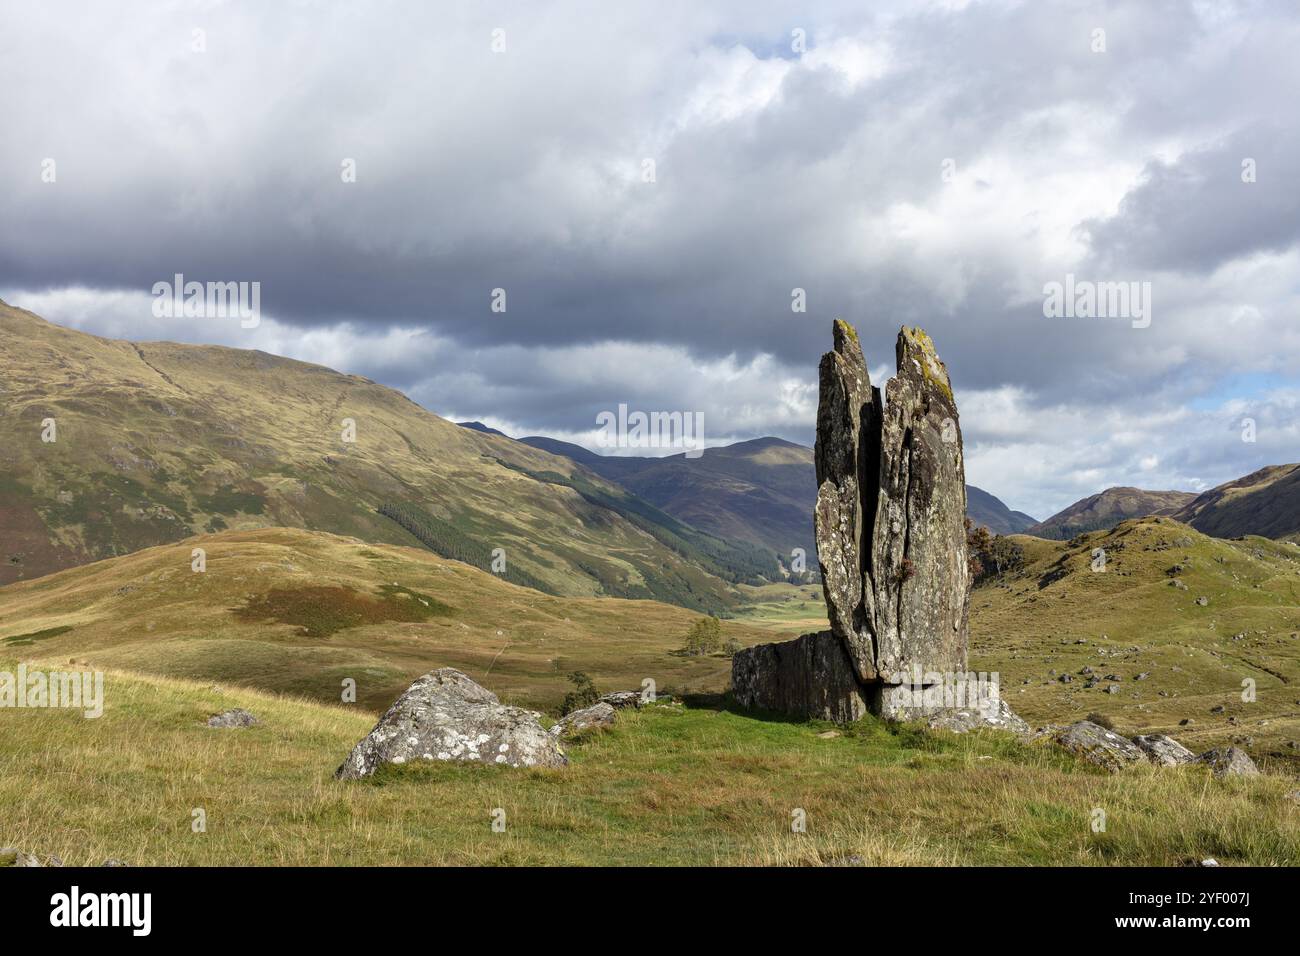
{"x": 1166, "y": 632}
{"x": 984, "y": 509}
{"x": 1107, "y": 509}
{"x": 761, "y": 491}
{"x": 1266, "y": 502}
{"x": 158, "y": 441}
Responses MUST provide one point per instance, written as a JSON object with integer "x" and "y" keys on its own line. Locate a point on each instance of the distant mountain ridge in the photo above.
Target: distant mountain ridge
{"x": 1106, "y": 509}
{"x": 1265, "y": 502}
{"x": 989, "y": 511}
{"x": 761, "y": 490}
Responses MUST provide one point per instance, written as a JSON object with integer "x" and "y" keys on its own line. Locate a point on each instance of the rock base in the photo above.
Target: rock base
{"x": 813, "y": 678}
{"x": 810, "y": 677}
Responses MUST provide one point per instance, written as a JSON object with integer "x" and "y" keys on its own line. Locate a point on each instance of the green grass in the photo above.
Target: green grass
{"x": 668, "y": 785}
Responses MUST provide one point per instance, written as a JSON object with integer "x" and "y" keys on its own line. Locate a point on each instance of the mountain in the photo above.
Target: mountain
{"x": 1105, "y": 510}
{"x": 1266, "y": 502}
{"x": 984, "y": 509}
{"x": 761, "y": 490}
{"x": 154, "y": 442}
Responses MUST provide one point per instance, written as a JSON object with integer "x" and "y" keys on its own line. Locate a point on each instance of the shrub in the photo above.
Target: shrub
{"x": 584, "y": 693}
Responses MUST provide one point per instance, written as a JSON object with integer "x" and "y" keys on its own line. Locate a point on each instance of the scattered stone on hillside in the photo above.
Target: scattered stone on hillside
{"x": 1100, "y": 746}
{"x": 1217, "y": 709}
{"x": 596, "y": 717}
{"x": 1229, "y": 762}
{"x": 995, "y": 714}
{"x": 112, "y": 861}
{"x": 828, "y": 734}
{"x": 237, "y": 718}
{"x": 1209, "y": 861}
{"x": 1111, "y": 689}
{"x": 891, "y": 540}
{"x": 622, "y": 698}
{"x": 1186, "y": 721}
{"x": 12, "y": 856}
{"x": 1143, "y": 676}
{"x": 1163, "y": 750}
{"x": 810, "y": 676}
{"x": 1202, "y": 601}
{"x": 446, "y": 716}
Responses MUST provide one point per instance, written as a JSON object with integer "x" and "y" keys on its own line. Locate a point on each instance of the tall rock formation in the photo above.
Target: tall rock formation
{"x": 891, "y": 540}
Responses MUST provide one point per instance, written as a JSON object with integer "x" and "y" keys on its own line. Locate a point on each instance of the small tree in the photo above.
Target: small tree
{"x": 584, "y": 693}
{"x": 730, "y": 646}
{"x": 704, "y": 637}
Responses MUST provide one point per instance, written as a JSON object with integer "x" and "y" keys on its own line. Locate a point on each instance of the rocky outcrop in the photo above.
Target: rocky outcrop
{"x": 596, "y": 717}
{"x": 995, "y": 714}
{"x": 446, "y": 716}
{"x": 1163, "y": 750}
{"x": 623, "y": 698}
{"x": 1229, "y": 762}
{"x": 891, "y": 541}
{"x": 1099, "y": 746}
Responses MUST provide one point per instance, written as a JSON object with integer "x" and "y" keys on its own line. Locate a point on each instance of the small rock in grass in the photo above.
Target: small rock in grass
{"x": 236, "y": 718}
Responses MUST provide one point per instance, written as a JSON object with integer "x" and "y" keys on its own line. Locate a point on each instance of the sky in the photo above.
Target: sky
{"x": 649, "y": 183}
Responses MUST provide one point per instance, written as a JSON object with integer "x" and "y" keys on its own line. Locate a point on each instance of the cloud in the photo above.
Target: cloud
{"x": 933, "y": 164}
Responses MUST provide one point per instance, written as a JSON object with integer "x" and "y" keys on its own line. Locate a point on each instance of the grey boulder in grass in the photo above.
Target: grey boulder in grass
{"x": 446, "y": 716}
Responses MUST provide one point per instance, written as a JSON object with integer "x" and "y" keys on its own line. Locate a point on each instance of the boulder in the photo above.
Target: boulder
{"x": 12, "y": 856}
{"x": 446, "y": 716}
{"x": 236, "y": 718}
{"x": 622, "y": 698}
{"x": 1229, "y": 762}
{"x": 1163, "y": 750}
{"x": 596, "y": 717}
{"x": 1100, "y": 746}
{"x": 996, "y": 714}
{"x": 810, "y": 677}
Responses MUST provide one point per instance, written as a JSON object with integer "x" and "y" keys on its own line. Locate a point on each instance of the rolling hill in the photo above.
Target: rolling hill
{"x": 1266, "y": 502}
{"x": 297, "y": 612}
{"x": 1167, "y": 633}
{"x": 1107, "y": 509}
{"x": 155, "y": 442}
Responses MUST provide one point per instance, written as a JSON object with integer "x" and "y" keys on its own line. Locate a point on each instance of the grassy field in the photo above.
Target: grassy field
{"x": 298, "y": 612}
{"x": 668, "y": 785}
{"x": 295, "y": 612}
{"x": 1057, "y": 616}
